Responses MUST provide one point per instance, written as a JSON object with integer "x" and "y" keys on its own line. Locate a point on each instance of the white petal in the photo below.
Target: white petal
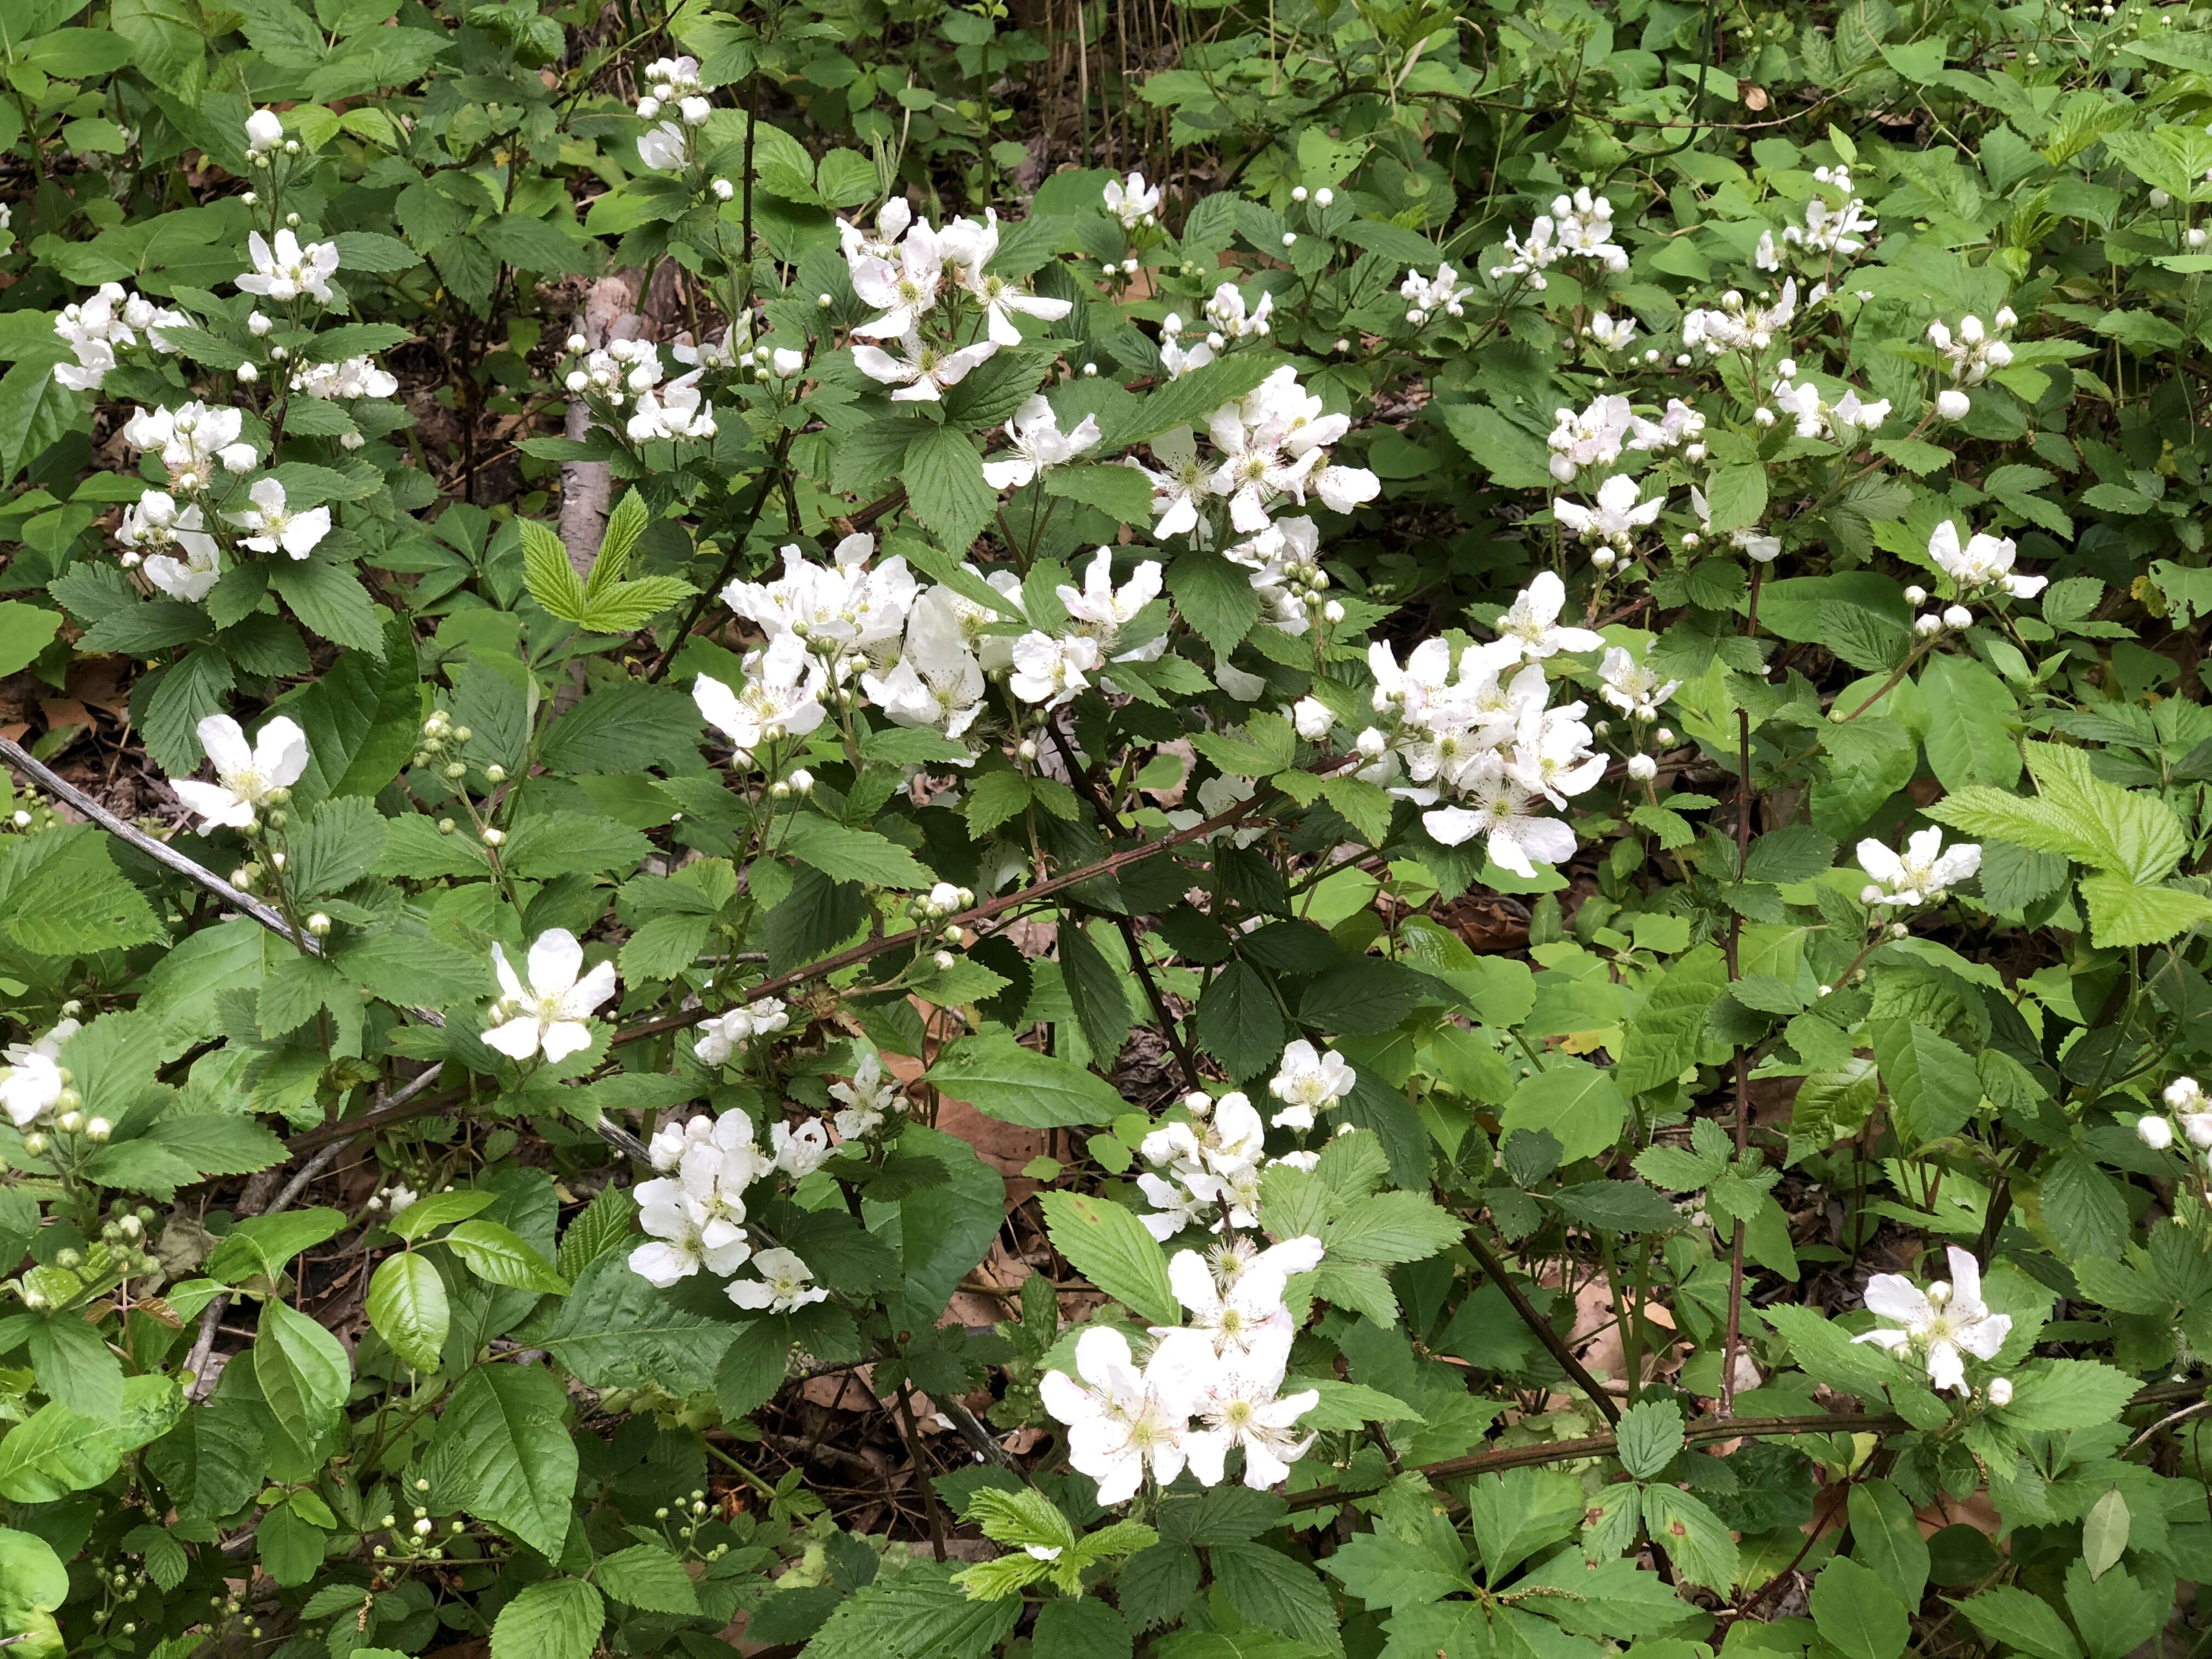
{"x": 517, "y": 1039}
{"x": 554, "y": 961}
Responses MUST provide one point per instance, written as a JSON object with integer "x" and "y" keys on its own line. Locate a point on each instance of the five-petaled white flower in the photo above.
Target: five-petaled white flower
{"x": 289, "y": 269}
{"x": 32, "y": 1080}
{"x": 247, "y": 776}
{"x": 272, "y": 527}
{"x": 1037, "y": 442}
{"x": 781, "y": 697}
{"x": 1985, "y": 561}
{"x": 1944, "y": 1323}
{"x": 1132, "y": 201}
{"x": 1925, "y": 873}
{"x": 1306, "y": 1082}
{"x": 1124, "y": 1422}
{"x": 549, "y": 1015}
{"x": 924, "y": 370}
{"x": 784, "y": 1284}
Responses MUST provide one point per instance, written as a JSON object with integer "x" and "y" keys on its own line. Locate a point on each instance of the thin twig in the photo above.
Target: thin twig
{"x": 159, "y": 851}
{"x": 1542, "y": 1327}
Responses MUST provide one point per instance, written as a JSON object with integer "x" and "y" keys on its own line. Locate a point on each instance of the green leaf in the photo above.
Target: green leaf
{"x": 1970, "y": 738}
{"x": 2067, "y": 1393}
{"x": 1098, "y": 990}
{"x": 604, "y": 1224}
{"x": 1575, "y": 1102}
{"x": 1239, "y": 1022}
{"x": 330, "y": 600}
{"x": 1648, "y": 1436}
{"x": 558, "y": 1619}
{"x": 74, "y": 1365}
{"x": 844, "y": 853}
{"x": 647, "y": 1575}
{"x": 24, "y": 631}
{"x": 1122, "y": 493}
{"x": 2026, "y": 1623}
{"x": 1189, "y": 398}
{"x": 304, "y": 1372}
{"x": 1215, "y": 596}
{"x": 1931, "y": 1080}
{"x": 1666, "y": 1034}
{"x": 1886, "y": 1538}
{"x": 1737, "y": 497}
{"x": 552, "y": 580}
{"x": 943, "y": 478}
{"x": 616, "y": 1331}
{"x": 1391, "y": 1228}
{"x": 261, "y": 1245}
{"x": 2125, "y": 913}
{"x": 495, "y": 1255}
{"x": 1109, "y": 1246}
{"x": 506, "y": 1441}
{"x": 2104, "y": 1533}
{"x": 62, "y": 895}
{"x": 1001, "y": 1078}
{"x": 905, "y": 1616}
{"x": 1858, "y": 1613}
{"x": 408, "y": 1306}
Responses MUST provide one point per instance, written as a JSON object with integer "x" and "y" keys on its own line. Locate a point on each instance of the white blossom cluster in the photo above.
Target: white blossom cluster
{"x": 1271, "y": 445}
{"x": 2186, "y": 1106}
{"x": 1429, "y": 297}
{"x": 1477, "y": 742}
{"x": 112, "y": 322}
{"x": 673, "y": 88}
{"x": 921, "y": 280}
{"x": 1943, "y": 1325}
{"x": 1210, "y": 1386}
{"x": 694, "y": 1210}
{"x": 1579, "y": 225}
{"x": 868, "y": 634}
{"x": 1844, "y": 228}
{"x": 1969, "y": 354}
{"x": 1227, "y": 319}
{"x": 1205, "y": 1172}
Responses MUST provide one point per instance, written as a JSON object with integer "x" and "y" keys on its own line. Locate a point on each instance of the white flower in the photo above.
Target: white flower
{"x": 1429, "y": 298}
{"x": 1533, "y": 620}
{"x": 938, "y": 681}
{"x": 1632, "y": 687}
{"x": 1049, "y": 670}
{"x": 846, "y": 606}
{"x": 1001, "y": 299}
{"x": 1239, "y": 1318}
{"x": 924, "y": 371}
{"x": 722, "y": 1036}
{"x": 784, "y": 1284}
{"x": 905, "y": 289}
{"x": 868, "y": 1099}
{"x": 245, "y": 776}
{"x": 193, "y": 440}
{"x": 781, "y": 697}
{"x": 1973, "y": 351}
{"x": 1507, "y": 814}
{"x": 1038, "y": 443}
{"x": 32, "y": 1080}
{"x": 1985, "y": 561}
{"x": 1240, "y": 1404}
{"x": 1307, "y": 1081}
{"x": 1124, "y": 1422}
{"x": 677, "y": 410}
{"x": 1179, "y": 487}
{"x": 289, "y": 269}
{"x": 1133, "y": 202}
{"x": 1592, "y": 438}
{"x": 1313, "y": 719}
{"x": 355, "y": 377}
{"x": 549, "y": 1014}
{"x": 1619, "y": 514}
{"x": 269, "y": 527}
{"x": 800, "y": 1152}
{"x": 664, "y": 148}
{"x": 1102, "y": 610}
{"x": 1611, "y": 334}
{"x": 1944, "y": 1323}
{"x": 264, "y": 131}
{"x": 688, "y": 1233}
{"x": 1923, "y": 875}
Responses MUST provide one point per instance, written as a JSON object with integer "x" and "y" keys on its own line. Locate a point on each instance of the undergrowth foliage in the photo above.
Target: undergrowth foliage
{"x": 1423, "y": 873}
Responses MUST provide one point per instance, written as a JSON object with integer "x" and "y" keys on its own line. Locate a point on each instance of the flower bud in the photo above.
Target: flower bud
{"x": 492, "y": 837}
{"x": 723, "y": 190}
{"x": 98, "y": 1129}
{"x": 495, "y": 772}
{"x": 2000, "y": 1391}
{"x": 1642, "y": 767}
{"x": 1957, "y": 616}
{"x": 1324, "y": 197}
{"x": 1916, "y": 596}
{"x": 319, "y": 924}
{"x": 2155, "y": 1132}
{"x": 1952, "y": 405}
